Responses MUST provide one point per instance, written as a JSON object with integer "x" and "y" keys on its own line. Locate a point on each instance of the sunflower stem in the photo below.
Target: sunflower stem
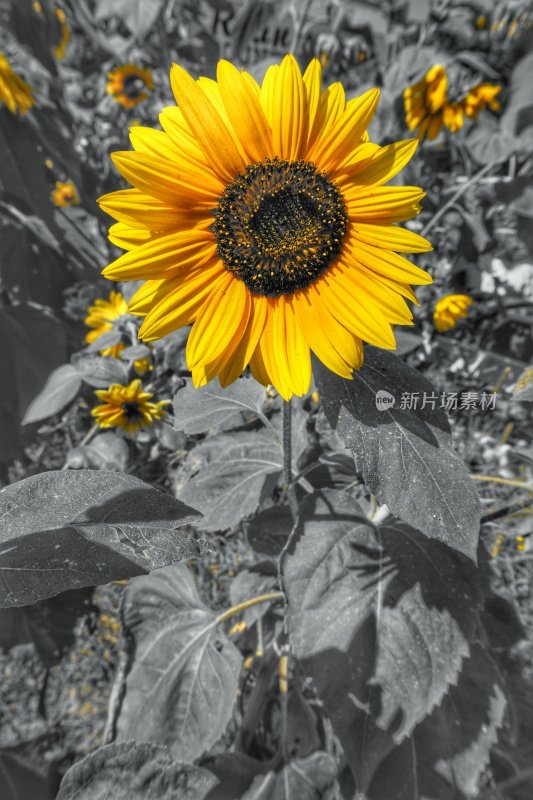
{"x": 462, "y": 189}
{"x": 287, "y": 443}
{"x": 89, "y": 435}
{"x": 287, "y": 459}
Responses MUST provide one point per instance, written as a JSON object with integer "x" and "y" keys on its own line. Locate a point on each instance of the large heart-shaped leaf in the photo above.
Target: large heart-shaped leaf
{"x": 182, "y": 685}
{"x": 134, "y": 771}
{"x": 311, "y": 778}
{"x": 63, "y": 530}
{"x": 199, "y": 410}
{"x": 404, "y": 454}
{"x": 343, "y": 572}
{"x": 234, "y": 472}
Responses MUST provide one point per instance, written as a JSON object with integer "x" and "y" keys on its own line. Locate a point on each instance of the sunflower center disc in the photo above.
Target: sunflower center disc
{"x": 133, "y": 86}
{"x": 279, "y": 226}
{"x": 131, "y": 411}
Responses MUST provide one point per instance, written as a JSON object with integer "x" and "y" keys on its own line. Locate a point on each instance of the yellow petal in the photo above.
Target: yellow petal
{"x": 258, "y": 368}
{"x": 390, "y": 237}
{"x": 179, "y": 299}
{"x": 268, "y": 94}
{"x": 330, "y": 108}
{"x": 206, "y": 124}
{"x": 384, "y": 262}
{"x": 127, "y": 237}
{"x": 363, "y": 320}
{"x": 163, "y": 256}
{"x": 161, "y": 179}
{"x": 240, "y": 359}
{"x": 381, "y": 166}
{"x": 141, "y": 302}
{"x": 289, "y": 120}
{"x": 138, "y": 209}
{"x": 313, "y": 86}
{"x": 218, "y": 321}
{"x": 273, "y": 349}
{"x": 173, "y": 123}
{"x": 336, "y": 142}
{"x": 332, "y": 344}
{"x": 245, "y": 112}
{"x": 384, "y": 204}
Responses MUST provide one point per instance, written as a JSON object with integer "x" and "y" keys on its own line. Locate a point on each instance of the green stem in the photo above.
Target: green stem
{"x": 254, "y": 601}
{"x": 462, "y": 189}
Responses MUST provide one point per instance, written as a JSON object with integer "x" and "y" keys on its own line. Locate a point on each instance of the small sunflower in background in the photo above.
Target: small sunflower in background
{"x": 480, "y": 97}
{"x": 61, "y": 48}
{"x": 428, "y": 107}
{"x": 129, "y": 84}
{"x": 261, "y": 215}
{"x": 127, "y": 407}
{"x": 449, "y": 309}
{"x": 65, "y": 194}
{"x": 425, "y": 102}
{"x": 101, "y": 317}
{"x": 143, "y": 365}
{"x": 14, "y": 91}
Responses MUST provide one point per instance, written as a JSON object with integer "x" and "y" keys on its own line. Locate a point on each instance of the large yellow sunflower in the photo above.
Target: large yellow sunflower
{"x": 260, "y": 214}
{"x": 14, "y": 91}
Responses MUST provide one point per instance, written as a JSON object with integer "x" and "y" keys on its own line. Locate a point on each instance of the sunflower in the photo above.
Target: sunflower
{"x": 428, "y": 107}
{"x": 101, "y": 317}
{"x": 128, "y": 84}
{"x": 127, "y": 407}
{"x": 60, "y": 49}
{"x": 426, "y": 101}
{"x": 65, "y": 194}
{"x": 14, "y": 92}
{"x": 481, "y": 96}
{"x": 449, "y": 309}
{"x": 260, "y": 214}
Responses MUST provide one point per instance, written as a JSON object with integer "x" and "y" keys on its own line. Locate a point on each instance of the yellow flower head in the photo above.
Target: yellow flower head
{"x": 449, "y": 309}
{"x": 65, "y": 194}
{"x": 127, "y": 407}
{"x": 60, "y": 49}
{"x": 14, "y": 92}
{"x": 129, "y": 85}
{"x": 481, "y": 96}
{"x": 101, "y": 317}
{"x": 142, "y": 365}
{"x": 428, "y": 108}
{"x": 261, "y": 215}
{"x": 426, "y": 101}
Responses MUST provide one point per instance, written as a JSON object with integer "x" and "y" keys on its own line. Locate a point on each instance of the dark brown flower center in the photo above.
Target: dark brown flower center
{"x": 131, "y": 411}
{"x": 279, "y": 226}
{"x": 133, "y": 86}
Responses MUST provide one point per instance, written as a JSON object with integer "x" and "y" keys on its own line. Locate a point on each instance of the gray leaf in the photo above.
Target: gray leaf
{"x": 199, "y": 410}
{"x": 405, "y": 456}
{"x": 183, "y": 681}
{"x": 64, "y": 530}
{"x": 101, "y": 371}
{"x": 61, "y": 387}
{"x": 134, "y": 771}
{"x": 343, "y": 573}
{"x": 235, "y": 472}
{"x": 303, "y": 779}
